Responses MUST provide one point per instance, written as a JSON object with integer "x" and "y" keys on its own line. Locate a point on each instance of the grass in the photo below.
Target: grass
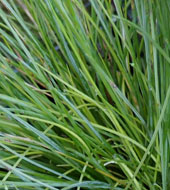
{"x": 84, "y": 94}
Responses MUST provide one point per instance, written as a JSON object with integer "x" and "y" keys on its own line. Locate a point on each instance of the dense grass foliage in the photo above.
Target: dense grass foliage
{"x": 84, "y": 94}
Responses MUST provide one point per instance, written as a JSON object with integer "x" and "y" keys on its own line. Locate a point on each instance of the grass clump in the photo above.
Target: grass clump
{"x": 84, "y": 94}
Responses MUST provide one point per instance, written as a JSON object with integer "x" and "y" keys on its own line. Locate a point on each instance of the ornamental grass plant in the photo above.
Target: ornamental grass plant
{"x": 84, "y": 95}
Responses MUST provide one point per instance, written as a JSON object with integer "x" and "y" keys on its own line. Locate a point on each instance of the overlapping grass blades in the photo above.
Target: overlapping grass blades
{"x": 84, "y": 94}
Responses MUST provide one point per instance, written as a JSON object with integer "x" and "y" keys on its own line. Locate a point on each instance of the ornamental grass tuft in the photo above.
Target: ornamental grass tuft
{"x": 84, "y": 95}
